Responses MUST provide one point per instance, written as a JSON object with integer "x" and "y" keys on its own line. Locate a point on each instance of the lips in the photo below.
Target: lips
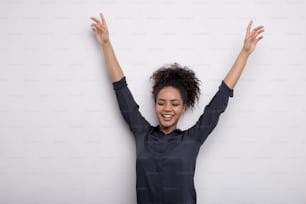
{"x": 167, "y": 117}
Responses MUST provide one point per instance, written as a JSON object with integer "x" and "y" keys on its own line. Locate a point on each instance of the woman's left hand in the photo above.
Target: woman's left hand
{"x": 252, "y": 38}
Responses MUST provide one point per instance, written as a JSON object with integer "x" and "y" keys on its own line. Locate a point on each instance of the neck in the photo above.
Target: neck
{"x": 167, "y": 131}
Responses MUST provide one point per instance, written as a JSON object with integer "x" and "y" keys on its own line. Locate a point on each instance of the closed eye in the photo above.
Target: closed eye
{"x": 174, "y": 102}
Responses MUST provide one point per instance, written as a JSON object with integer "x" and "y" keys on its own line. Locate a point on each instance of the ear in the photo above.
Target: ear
{"x": 184, "y": 108}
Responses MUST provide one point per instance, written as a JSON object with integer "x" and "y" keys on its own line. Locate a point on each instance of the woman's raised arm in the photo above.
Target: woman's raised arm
{"x": 250, "y": 41}
{"x": 102, "y": 35}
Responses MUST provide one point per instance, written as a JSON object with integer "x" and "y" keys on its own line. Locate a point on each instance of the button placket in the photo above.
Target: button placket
{"x": 159, "y": 185}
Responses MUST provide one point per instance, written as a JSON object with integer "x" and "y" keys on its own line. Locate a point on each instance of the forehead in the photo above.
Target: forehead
{"x": 169, "y": 93}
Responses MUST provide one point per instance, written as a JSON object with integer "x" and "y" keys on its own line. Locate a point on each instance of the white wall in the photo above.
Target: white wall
{"x": 62, "y": 139}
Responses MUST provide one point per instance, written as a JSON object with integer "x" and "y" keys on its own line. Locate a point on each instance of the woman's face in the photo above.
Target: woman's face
{"x": 169, "y": 107}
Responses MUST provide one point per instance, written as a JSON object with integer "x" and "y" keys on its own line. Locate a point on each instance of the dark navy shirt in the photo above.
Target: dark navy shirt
{"x": 165, "y": 163}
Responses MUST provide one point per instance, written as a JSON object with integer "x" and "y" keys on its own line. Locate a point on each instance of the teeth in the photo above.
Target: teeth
{"x": 167, "y": 116}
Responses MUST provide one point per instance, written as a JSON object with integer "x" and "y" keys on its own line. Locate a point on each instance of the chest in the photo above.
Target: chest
{"x": 167, "y": 154}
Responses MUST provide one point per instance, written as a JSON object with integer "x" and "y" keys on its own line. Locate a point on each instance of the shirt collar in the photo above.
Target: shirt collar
{"x": 157, "y": 128}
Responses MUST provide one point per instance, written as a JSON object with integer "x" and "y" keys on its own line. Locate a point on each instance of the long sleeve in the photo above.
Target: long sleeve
{"x": 129, "y": 108}
{"x": 210, "y": 117}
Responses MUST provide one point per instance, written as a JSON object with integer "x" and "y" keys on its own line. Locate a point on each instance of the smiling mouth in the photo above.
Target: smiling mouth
{"x": 167, "y": 117}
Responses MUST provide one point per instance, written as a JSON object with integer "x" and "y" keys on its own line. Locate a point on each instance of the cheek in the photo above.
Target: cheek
{"x": 180, "y": 111}
{"x": 157, "y": 109}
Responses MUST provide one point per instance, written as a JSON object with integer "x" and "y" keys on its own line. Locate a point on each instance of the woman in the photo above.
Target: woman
{"x": 166, "y": 156}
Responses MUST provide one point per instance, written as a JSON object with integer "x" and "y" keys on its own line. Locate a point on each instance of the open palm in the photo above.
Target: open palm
{"x": 252, "y": 37}
{"x": 100, "y": 29}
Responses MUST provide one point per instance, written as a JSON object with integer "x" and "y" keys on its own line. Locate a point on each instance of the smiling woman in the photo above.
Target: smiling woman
{"x": 166, "y": 156}
{"x": 169, "y": 107}
{"x": 175, "y": 89}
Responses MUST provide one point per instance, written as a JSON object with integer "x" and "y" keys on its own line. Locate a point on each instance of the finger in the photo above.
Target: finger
{"x": 255, "y": 33}
{"x": 260, "y": 31}
{"x": 258, "y": 39}
{"x": 94, "y": 30}
{"x": 96, "y": 26}
{"x": 249, "y": 26}
{"x": 258, "y": 28}
{"x": 100, "y": 26}
{"x": 102, "y": 19}
{"x": 95, "y": 19}
{"x": 248, "y": 29}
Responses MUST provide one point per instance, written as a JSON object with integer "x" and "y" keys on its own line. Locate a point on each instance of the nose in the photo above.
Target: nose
{"x": 167, "y": 107}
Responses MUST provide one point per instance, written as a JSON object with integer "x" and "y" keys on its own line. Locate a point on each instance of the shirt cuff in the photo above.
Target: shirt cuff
{"x": 120, "y": 84}
{"x": 226, "y": 90}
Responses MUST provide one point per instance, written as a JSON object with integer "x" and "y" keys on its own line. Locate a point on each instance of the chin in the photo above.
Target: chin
{"x": 167, "y": 125}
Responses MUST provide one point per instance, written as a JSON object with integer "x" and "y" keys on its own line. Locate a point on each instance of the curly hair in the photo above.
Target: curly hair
{"x": 181, "y": 78}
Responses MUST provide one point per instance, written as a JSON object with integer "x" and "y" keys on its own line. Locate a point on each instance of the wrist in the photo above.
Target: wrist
{"x": 244, "y": 53}
{"x": 105, "y": 43}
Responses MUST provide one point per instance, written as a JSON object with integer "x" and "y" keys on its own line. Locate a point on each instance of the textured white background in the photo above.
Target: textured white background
{"x": 62, "y": 139}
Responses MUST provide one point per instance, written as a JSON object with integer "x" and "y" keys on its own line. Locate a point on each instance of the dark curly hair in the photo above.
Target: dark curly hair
{"x": 181, "y": 78}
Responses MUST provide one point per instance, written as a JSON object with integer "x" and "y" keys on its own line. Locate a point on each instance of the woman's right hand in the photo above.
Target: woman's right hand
{"x": 100, "y": 29}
